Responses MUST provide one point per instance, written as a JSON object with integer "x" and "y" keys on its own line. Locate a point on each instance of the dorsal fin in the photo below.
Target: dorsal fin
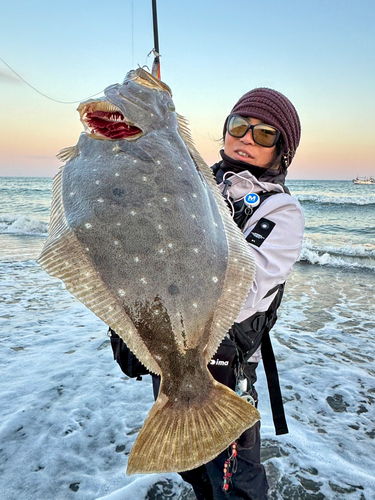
{"x": 241, "y": 264}
{"x": 68, "y": 153}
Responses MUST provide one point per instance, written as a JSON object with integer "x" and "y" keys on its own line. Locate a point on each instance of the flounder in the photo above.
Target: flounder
{"x": 141, "y": 235}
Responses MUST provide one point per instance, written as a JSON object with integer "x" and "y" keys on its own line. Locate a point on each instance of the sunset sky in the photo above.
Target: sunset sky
{"x": 320, "y": 54}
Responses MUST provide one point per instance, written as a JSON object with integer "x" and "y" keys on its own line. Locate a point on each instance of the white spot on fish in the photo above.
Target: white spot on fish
{"x": 118, "y": 224}
{"x": 179, "y": 168}
{"x": 161, "y": 251}
{"x": 116, "y": 148}
{"x": 99, "y": 156}
{"x": 134, "y": 161}
{"x": 158, "y": 358}
{"x": 94, "y": 169}
{"x": 97, "y": 182}
{"x": 88, "y": 225}
{"x": 151, "y": 114}
{"x": 117, "y": 174}
{"x": 87, "y": 249}
{"x": 156, "y": 312}
{"x": 133, "y": 212}
{"x": 196, "y": 250}
{"x": 160, "y": 226}
{"x": 144, "y": 179}
{"x": 144, "y": 281}
{"x": 72, "y": 193}
{"x": 195, "y": 305}
{"x": 158, "y": 162}
{"x": 194, "y": 195}
{"x": 100, "y": 200}
{"x": 214, "y": 279}
{"x": 215, "y": 224}
{"x": 170, "y": 245}
{"x": 121, "y": 292}
{"x": 193, "y": 216}
{"x": 165, "y": 199}
{"x": 115, "y": 242}
{"x": 136, "y": 259}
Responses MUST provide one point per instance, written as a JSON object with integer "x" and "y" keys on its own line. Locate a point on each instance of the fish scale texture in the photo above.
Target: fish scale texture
{"x": 173, "y": 302}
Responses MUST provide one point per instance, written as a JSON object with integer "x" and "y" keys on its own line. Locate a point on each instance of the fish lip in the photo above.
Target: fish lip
{"x": 145, "y": 79}
{"x": 106, "y": 112}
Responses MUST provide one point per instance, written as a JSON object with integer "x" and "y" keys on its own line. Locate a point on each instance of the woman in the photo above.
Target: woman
{"x": 261, "y": 136}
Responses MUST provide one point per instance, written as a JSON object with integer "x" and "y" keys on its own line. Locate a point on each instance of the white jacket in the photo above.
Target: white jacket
{"x": 282, "y": 247}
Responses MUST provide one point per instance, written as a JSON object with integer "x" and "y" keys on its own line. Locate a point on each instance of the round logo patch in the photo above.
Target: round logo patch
{"x": 251, "y": 200}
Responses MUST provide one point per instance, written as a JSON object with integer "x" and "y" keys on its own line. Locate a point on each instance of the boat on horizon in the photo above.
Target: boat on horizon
{"x": 364, "y": 180}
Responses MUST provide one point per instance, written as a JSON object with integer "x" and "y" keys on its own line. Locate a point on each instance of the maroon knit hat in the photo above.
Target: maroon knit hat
{"x": 275, "y": 109}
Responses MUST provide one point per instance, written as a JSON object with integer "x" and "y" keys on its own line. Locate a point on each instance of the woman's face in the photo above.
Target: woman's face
{"x": 248, "y": 151}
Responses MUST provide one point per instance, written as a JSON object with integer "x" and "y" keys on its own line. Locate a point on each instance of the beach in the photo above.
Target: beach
{"x": 69, "y": 416}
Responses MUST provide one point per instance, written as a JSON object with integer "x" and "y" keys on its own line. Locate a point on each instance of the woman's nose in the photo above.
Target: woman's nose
{"x": 248, "y": 137}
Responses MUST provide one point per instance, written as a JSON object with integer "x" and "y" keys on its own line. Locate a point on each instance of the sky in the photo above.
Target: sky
{"x": 320, "y": 54}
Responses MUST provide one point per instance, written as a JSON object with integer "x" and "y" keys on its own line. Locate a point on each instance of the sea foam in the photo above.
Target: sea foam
{"x": 336, "y": 257}
{"x": 22, "y": 225}
{"x": 339, "y": 200}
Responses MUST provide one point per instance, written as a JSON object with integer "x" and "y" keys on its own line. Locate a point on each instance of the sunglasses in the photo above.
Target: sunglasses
{"x": 264, "y": 135}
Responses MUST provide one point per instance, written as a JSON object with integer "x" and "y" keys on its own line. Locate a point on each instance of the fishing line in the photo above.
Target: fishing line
{"x": 132, "y": 34}
{"x": 44, "y": 95}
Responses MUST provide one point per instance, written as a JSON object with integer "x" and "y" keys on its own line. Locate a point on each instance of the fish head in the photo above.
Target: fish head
{"x": 129, "y": 111}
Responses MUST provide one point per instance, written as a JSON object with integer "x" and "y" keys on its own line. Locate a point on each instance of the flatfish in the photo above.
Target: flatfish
{"x": 141, "y": 235}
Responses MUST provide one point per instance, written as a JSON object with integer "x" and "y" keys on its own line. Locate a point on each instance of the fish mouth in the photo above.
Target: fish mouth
{"x": 144, "y": 78}
{"x": 103, "y": 120}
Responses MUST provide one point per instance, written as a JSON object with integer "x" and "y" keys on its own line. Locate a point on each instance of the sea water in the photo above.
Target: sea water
{"x": 69, "y": 417}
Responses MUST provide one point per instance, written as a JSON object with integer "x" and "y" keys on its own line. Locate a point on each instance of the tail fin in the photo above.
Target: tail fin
{"x": 176, "y": 438}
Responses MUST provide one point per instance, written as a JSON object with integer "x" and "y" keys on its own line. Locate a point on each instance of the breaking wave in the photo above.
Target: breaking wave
{"x": 335, "y": 200}
{"x": 360, "y": 256}
{"x": 21, "y": 225}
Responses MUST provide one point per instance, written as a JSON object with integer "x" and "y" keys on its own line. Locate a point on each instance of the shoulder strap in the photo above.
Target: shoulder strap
{"x": 273, "y": 383}
{"x": 262, "y": 322}
{"x": 273, "y": 290}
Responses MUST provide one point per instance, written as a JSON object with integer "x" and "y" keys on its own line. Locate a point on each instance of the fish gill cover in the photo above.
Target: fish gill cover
{"x": 141, "y": 235}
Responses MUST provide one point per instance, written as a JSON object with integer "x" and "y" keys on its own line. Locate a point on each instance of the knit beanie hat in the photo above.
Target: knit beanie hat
{"x": 275, "y": 109}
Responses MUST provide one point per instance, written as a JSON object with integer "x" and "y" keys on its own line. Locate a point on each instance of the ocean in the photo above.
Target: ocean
{"x": 69, "y": 416}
